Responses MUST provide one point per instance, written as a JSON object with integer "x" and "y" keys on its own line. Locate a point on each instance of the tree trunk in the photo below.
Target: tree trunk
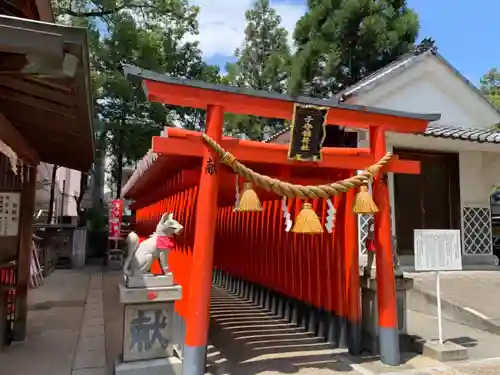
{"x": 119, "y": 174}
{"x": 119, "y": 163}
{"x": 52, "y": 194}
{"x": 79, "y": 199}
{"x": 98, "y": 175}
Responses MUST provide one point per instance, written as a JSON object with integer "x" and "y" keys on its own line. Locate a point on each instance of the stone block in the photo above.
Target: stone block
{"x": 149, "y": 281}
{"x": 92, "y": 331}
{"x": 370, "y": 313}
{"x": 89, "y": 358}
{"x": 91, "y": 343}
{"x": 148, "y": 331}
{"x": 445, "y": 352}
{"x": 151, "y": 295}
{"x": 115, "y": 259}
{"x": 90, "y": 371}
{"x": 163, "y": 366}
{"x": 92, "y": 321}
{"x": 89, "y": 312}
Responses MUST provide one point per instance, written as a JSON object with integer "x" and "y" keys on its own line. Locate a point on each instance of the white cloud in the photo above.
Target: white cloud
{"x": 222, "y": 23}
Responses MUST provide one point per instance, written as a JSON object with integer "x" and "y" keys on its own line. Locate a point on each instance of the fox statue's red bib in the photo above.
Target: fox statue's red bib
{"x": 141, "y": 255}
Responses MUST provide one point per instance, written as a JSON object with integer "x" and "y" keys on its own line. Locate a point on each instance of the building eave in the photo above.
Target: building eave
{"x": 77, "y": 131}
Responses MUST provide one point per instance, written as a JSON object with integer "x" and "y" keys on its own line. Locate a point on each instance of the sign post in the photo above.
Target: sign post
{"x": 440, "y": 318}
{"x": 438, "y": 250}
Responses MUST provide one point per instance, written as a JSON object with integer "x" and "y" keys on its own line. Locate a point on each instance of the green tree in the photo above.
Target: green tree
{"x": 490, "y": 86}
{"x": 340, "y": 42}
{"x": 263, "y": 63}
{"x": 149, "y": 34}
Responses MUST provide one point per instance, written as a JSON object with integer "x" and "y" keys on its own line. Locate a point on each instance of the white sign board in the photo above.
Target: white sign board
{"x": 437, "y": 250}
{"x": 9, "y": 213}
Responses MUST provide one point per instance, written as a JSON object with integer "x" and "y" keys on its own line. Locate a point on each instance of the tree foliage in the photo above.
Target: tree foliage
{"x": 263, "y": 63}
{"x": 150, "y": 34}
{"x": 490, "y": 86}
{"x": 341, "y": 42}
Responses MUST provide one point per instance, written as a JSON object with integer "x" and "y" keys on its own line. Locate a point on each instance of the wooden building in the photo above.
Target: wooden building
{"x": 46, "y": 115}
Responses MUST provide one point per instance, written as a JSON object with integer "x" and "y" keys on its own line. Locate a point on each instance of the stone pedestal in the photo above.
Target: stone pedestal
{"x": 445, "y": 352}
{"x": 79, "y": 248}
{"x": 115, "y": 259}
{"x": 148, "y": 326}
{"x": 369, "y": 324}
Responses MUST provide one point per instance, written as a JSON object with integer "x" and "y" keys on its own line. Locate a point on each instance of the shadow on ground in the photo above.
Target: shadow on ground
{"x": 256, "y": 342}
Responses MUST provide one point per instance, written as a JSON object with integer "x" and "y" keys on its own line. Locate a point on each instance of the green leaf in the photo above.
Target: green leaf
{"x": 341, "y": 42}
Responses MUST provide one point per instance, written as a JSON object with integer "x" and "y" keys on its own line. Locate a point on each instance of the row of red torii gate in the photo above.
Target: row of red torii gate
{"x": 293, "y": 233}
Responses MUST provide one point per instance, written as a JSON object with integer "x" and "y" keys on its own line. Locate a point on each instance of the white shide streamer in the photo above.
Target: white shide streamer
{"x": 330, "y": 219}
{"x": 286, "y": 215}
{"x": 237, "y": 200}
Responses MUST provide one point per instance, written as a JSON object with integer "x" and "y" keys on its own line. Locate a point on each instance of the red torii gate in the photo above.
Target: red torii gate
{"x": 189, "y": 146}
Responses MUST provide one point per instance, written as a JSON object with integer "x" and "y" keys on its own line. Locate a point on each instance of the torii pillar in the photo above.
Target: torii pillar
{"x": 388, "y": 334}
{"x": 198, "y": 317}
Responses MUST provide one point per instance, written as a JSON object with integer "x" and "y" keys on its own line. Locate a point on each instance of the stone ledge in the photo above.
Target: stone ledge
{"x": 163, "y": 366}
{"x": 152, "y": 294}
{"x": 445, "y": 352}
{"x": 149, "y": 281}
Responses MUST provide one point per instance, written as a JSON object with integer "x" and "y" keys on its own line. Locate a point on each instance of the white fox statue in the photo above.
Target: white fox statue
{"x": 140, "y": 256}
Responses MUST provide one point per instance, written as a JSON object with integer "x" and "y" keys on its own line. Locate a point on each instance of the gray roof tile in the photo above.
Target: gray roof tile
{"x": 463, "y": 134}
{"x": 444, "y": 131}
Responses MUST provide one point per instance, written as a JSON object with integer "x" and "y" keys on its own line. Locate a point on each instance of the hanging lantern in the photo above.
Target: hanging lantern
{"x": 307, "y": 221}
{"x": 249, "y": 201}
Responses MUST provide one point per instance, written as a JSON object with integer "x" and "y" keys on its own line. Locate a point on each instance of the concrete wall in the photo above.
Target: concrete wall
{"x": 71, "y": 188}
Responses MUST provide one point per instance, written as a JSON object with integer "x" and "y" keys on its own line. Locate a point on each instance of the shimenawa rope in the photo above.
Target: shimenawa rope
{"x": 291, "y": 190}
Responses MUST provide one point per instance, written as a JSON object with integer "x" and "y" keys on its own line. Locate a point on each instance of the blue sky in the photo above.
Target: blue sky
{"x": 464, "y": 30}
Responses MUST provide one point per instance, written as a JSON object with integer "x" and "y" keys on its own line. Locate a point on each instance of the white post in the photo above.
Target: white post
{"x": 438, "y": 296}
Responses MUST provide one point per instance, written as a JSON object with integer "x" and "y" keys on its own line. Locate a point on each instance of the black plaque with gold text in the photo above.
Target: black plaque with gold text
{"x": 308, "y": 132}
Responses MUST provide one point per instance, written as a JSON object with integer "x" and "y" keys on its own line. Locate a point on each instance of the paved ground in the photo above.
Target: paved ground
{"x": 65, "y": 328}
{"x": 473, "y": 290}
{"x": 480, "y": 344}
{"x": 254, "y": 342}
{"x": 75, "y": 323}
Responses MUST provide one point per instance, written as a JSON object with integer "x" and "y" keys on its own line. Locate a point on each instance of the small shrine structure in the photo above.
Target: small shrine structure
{"x": 198, "y": 177}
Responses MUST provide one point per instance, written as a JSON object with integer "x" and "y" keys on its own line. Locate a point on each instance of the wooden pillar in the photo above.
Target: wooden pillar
{"x": 351, "y": 256}
{"x": 201, "y": 269}
{"x": 386, "y": 287}
{"x": 24, "y": 251}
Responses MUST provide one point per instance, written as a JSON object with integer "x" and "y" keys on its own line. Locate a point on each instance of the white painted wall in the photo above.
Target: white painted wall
{"x": 72, "y": 188}
{"x": 432, "y": 87}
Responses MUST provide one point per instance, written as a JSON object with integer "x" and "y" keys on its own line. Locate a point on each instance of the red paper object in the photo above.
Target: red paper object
{"x": 115, "y": 218}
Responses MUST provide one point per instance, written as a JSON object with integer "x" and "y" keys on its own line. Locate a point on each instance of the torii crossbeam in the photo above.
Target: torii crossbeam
{"x": 217, "y": 100}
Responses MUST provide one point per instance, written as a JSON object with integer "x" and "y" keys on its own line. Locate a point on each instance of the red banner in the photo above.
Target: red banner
{"x": 115, "y": 218}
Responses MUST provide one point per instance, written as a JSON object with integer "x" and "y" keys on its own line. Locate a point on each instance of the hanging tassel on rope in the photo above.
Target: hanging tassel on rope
{"x": 307, "y": 221}
{"x": 364, "y": 203}
{"x": 249, "y": 201}
{"x": 286, "y": 215}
